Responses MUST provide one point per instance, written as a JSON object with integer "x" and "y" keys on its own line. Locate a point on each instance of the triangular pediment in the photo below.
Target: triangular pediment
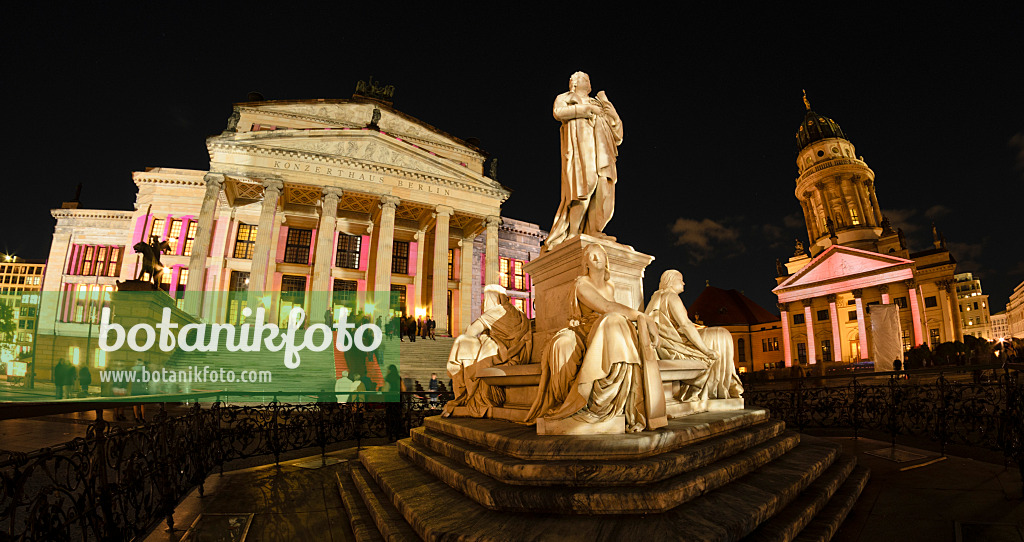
{"x": 839, "y": 264}
{"x": 364, "y": 149}
{"x": 357, "y": 114}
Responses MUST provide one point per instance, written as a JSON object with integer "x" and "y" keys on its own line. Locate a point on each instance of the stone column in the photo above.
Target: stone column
{"x": 812, "y": 356}
{"x": 953, "y": 307}
{"x": 864, "y": 202}
{"x": 491, "y": 251}
{"x": 825, "y": 205}
{"x": 862, "y": 332}
{"x": 439, "y": 291}
{"x": 884, "y": 288}
{"x": 915, "y": 311}
{"x": 868, "y": 186}
{"x": 417, "y": 280}
{"x": 812, "y": 226}
{"x": 837, "y": 339}
{"x": 465, "y": 284}
{"x": 786, "y": 349}
{"x": 385, "y": 246}
{"x": 264, "y": 240}
{"x": 323, "y": 262}
{"x": 201, "y": 245}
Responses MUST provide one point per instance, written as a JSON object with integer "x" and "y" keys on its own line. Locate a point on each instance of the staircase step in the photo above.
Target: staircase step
{"x": 363, "y": 527}
{"x": 827, "y": 522}
{"x": 604, "y": 473}
{"x": 618, "y": 499}
{"x": 523, "y": 442}
{"x": 792, "y": 520}
{"x": 389, "y": 521}
{"x": 439, "y": 512}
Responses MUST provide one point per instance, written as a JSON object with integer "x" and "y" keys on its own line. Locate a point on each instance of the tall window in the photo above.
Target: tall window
{"x": 801, "y": 352}
{"x": 87, "y": 263}
{"x": 451, "y": 264}
{"x": 158, "y": 228}
{"x": 933, "y": 334}
{"x": 114, "y": 266}
{"x": 741, "y": 350}
{"x": 296, "y": 249}
{"x": 907, "y": 345}
{"x": 518, "y": 281}
{"x": 503, "y": 268}
{"x": 519, "y": 303}
{"x": 190, "y": 237}
{"x": 348, "y": 251}
{"x": 397, "y": 297}
{"x": 345, "y": 292}
{"x": 826, "y": 350}
{"x": 245, "y": 241}
{"x": 400, "y": 258}
{"x": 854, "y": 218}
{"x": 172, "y": 236}
{"x": 900, "y": 302}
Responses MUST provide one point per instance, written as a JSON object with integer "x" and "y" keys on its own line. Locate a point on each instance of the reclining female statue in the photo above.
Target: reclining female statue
{"x": 682, "y": 339}
{"x": 592, "y": 369}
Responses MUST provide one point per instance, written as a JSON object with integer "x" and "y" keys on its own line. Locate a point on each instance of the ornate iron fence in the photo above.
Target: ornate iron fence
{"x": 117, "y": 482}
{"x": 946, "y": 407}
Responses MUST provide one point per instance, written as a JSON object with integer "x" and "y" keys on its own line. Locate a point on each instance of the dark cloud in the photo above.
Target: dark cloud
{"x": 706, "y": 238}
{"x": 794, "y": 221}
{"x": 936, "y": 212}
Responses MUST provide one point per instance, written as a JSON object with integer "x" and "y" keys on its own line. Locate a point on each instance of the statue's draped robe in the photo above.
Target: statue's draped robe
{"x": 720, "y": 381}
{"x": 508, "y": 339}
{"x": 589, "y": 147}
{"x": 592, "y": 371}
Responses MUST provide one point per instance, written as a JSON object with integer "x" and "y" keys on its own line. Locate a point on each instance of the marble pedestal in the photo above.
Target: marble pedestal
{"x": 554, "y": 273}
{"x": 712, "y": 476}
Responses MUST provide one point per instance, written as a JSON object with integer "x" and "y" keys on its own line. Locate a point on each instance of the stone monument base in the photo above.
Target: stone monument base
{"x": 710, "y": 476}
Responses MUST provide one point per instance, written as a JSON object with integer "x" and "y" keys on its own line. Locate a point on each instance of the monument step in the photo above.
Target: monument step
{"x": 390, "y": 523}
{"x": 596, "y": 472}
{"x": 819, "y": 511}
{"x": 364, "y": 528}
{"x": 523, "y": 442}
{"x": 439, "y": 512}
{"x": 827, "y": 522}
{"x": 638, "y": 498}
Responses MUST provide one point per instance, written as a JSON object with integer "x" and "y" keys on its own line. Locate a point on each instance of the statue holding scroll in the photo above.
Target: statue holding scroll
{"x": 501, "y": 335}
{"x": 682, "y": 339}
{"x": 590, "y": 135}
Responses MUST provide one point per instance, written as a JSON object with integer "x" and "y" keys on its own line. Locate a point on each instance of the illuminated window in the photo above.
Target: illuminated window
{"x": 907, "y": 344}
{"x": 348, "y": 251}
{"x": 101, "y": 358}
{"x": 296, "y": 248}
{"x": 190, "y": 237}
{"x": 245, "y": 241}
{"x": 114, "y": 267}
{"x": 451, "y": 264}
{"x": 74, "y": 355}
{"x": 517, "y": 272}
{"x": 400, "y": 258}
{"x": 87, "y": 261}
{"x": 503, "y": 265}
{"x": 398, "y": 298}
{"x": 519, "y": 303}
{"x": 826, "y": 350}
{"x": 172, "y": 236}
{"x": 854, "y": 218}
{"x": 158, "y": 228}
{"x": 933, "y": 334}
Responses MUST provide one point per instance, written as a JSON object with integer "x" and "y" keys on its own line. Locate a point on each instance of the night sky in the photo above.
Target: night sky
{"x": 710, "y": 103}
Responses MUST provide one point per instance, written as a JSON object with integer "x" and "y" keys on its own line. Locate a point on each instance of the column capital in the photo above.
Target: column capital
{"x": 493, "y": 221}
{"x": 819, "y": 185}
{"x": 783, "y": 307}
{"x": 911, "y": 283}
{"x": 831, "y": 298}
{"x": 807, "y": 302}
{"x": 884, "y": 288}
{"x": 389, "y": 201}
{"x": 443, "y": 210}
{"x": 419, "y": 235}
{"x": 945, "y": 284}
{"x": 271, "y": 184}
{"x": 214, "y": 179}
{"x": 858, "y": 293}
{"x": 332, "y": 192}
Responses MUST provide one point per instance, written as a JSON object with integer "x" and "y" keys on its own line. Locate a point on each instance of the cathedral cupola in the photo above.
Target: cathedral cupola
{"x": 835, "y": 188}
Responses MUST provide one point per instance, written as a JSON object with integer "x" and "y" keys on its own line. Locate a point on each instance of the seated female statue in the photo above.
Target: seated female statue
{"x": 680, "y": 338}
{"x": 592, "y": 369}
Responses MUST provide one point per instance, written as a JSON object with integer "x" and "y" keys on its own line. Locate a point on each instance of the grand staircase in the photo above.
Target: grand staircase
{"x": 713, "y": 476}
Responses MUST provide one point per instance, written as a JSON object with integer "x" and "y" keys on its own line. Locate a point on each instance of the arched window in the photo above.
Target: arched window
{"x": 740, "y": 347}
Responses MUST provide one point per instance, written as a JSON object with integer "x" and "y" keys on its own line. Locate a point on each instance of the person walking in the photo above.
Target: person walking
{"x": 58, "y": 378}
{"x": 85, "y": 379}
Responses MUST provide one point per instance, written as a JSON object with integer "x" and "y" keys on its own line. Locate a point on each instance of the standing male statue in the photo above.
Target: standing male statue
{"x": 591, "y": 133}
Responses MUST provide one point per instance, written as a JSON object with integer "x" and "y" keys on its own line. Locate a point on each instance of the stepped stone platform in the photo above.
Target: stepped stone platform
{"x": 710, "y": 476}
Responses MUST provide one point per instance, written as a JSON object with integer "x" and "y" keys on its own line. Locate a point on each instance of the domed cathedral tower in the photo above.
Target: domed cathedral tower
{"x": 835, "y": 188}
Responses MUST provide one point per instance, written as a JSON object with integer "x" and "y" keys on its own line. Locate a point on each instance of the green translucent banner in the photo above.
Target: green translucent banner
{"x": 97, "y": 343}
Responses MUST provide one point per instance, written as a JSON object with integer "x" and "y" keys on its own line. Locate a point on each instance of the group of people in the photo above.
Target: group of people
{"x": 66, "y": 376}
{"x": 417, "y": 327}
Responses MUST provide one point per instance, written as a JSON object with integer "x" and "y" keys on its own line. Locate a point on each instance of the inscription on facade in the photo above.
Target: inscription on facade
{"x": 356, "y": 175}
